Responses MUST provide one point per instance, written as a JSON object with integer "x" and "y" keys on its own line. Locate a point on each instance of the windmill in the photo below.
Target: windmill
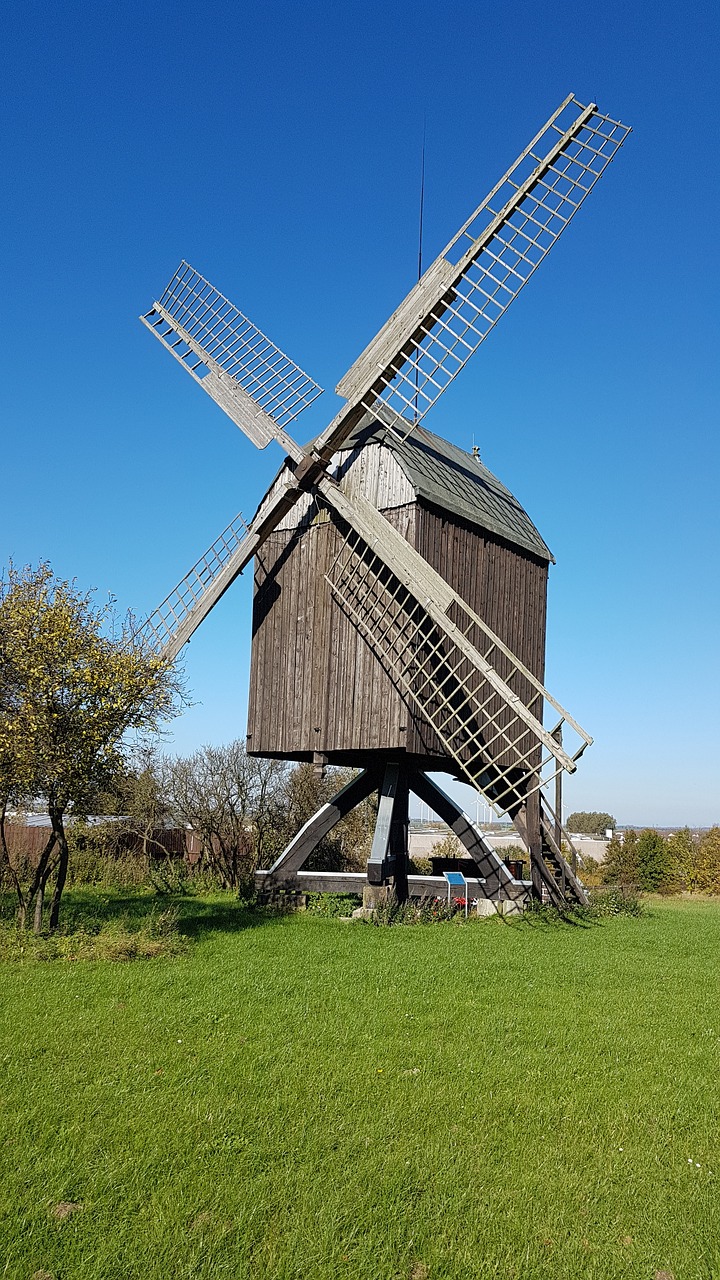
{"x": 399, "y": 610}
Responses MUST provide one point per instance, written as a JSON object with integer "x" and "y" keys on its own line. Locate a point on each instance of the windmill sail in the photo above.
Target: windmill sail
{"x": 485, "y": 706}
{"x": 261, "y": 389}
{"x": 173, "y": 623}
{"x": 461, "y": 297}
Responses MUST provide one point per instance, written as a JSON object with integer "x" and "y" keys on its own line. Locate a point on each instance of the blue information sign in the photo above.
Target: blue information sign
{"x": 455, "y": 878}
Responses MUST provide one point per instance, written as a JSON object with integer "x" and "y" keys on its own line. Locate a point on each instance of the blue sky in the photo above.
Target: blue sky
{"x": 277, "y": 148}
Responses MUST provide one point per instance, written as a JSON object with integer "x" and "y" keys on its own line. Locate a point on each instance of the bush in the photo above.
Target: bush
{"x": 423, "y": 911}
{"x": 591, "y": 871}
{"x": 153, "y": 935}
{"x": 171, "y": 875}
{"x": 643, "y": 862}
{"x": 92, "y": 866}
{"x": 708, "y": 862}
{"x": 333, "y": 904}
{"x": 615, "y": 902}
{"x": 619, "y": 901}
{"x": 448, "y": 847}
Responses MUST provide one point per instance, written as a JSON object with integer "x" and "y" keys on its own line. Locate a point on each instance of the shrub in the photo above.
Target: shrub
{"x": 448, "y": 847}
{"x": 422, "y": 911}
{"x": 591, "y": 871}
{"x": 603, "y": 903}
{"x": 615, "y": 902}
{"x": 708, "y": 862}
{"x": 92, "y": 866}
{"x": 171, "y": 875}
{"x": 153, "y": 935}
{"x": 643, "y": 861}
{"x": 333, "y": 904}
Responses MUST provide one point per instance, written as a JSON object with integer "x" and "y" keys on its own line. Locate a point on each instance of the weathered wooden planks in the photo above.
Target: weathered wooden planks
{"x": 315, "y": 684}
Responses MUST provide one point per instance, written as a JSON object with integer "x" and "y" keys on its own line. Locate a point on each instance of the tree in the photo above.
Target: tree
{"x": 621, "y": 861}
{"x": 708, "y": 862}
{"x": 654, "y": 863}
{"x": 641, "y": 861}
{"x": 684, "y": 854}
{"x": 591, "y": 824}
{"x": 141, "y": 803}
{"x": 234, "y": 802}
{"x": 73, "y": 684}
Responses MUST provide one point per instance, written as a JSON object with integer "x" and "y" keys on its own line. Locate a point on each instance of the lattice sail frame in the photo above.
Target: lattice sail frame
{"x": 484, "y": 705}
{"x": 261, "y": 388}
{"x": 459, "y": 300}
{"x": 158, "y": 631}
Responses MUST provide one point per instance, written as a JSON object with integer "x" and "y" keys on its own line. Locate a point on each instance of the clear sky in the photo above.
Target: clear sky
{"x": 277, "y": 148}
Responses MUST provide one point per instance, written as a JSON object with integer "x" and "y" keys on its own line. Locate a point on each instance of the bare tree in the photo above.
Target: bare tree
{"x": 233, "y": 802}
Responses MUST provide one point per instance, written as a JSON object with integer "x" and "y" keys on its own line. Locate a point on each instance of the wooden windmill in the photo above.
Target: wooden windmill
{"x": 399, "y": 610}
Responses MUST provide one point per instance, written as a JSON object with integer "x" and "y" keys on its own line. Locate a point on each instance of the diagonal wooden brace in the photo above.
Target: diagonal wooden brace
{"x": 321, "y": 824}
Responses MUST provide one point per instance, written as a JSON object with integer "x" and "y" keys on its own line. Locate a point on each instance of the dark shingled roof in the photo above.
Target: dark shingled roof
{"x": 455, "y": 481}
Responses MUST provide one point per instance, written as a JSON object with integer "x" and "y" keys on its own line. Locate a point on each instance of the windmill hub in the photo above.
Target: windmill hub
{"x": 400, "y": 588}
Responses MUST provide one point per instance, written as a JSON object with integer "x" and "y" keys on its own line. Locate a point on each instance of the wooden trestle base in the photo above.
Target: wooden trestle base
{"x": 388, "y": 864}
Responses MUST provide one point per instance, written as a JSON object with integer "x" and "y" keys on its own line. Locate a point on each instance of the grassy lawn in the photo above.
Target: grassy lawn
{"x": 301, "y": 1097}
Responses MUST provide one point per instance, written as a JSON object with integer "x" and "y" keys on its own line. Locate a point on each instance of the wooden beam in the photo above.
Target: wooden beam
{"x": 399, "y": 834}
{"x": 498, "y": 881}
{"x": 355, "y": 881}
{"x": 321, "y": 824}
{"x": 376, "y": 867}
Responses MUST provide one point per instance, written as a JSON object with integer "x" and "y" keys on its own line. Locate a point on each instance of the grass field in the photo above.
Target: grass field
{"x": 302, "y": 1097}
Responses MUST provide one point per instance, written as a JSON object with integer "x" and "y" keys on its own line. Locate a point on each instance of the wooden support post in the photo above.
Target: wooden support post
{"x": 531, "y": 820}
{"x": 389, "y": 862}
{"x": 320, "y": 762}
{"x": 399, "y": 832}
{"x": 557, "y": 735}
{"x": 377, "y": 867}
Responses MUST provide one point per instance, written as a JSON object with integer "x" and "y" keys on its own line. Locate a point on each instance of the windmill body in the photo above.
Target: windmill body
{"x": 400, "y": 589}
{"x": 317, "y": 690}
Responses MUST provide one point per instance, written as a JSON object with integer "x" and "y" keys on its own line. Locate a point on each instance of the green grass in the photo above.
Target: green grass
{"x": 99, "y": 926}
{"x": 303, "y": 1097}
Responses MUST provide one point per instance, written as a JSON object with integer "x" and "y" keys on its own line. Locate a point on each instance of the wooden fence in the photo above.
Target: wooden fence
{"x": 26, "y": 842}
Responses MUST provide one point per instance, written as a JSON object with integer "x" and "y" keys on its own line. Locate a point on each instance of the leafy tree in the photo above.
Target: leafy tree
{"x": 621, "y": 861}
{"x": 591, "y": 824}
{"x": 684, "y": 850}
{"x": 708, "y": 862}
{"x": 73, "y": 683}
{"x": 643, "y": 861}
{"x": 654, "y": 863}
{"x": 142, "y": 803}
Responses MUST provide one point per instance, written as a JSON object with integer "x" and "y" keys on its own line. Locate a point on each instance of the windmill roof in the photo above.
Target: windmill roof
{"x": 447, "y": 477}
